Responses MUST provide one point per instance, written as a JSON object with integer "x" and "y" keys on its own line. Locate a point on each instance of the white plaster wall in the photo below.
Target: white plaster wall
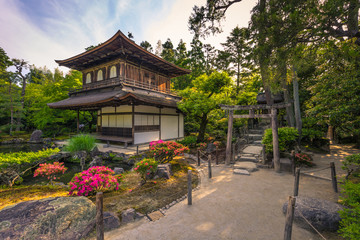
{"x": 124, "y": 108}
{"x": 108, "y": 110}
{"x": 144, "y": 137}
{"x": 112, "y": 120}
{"x": 105, "y": 120}
{"x": 168, "y": 111}
{"x": 181, "y": 125}
{"x": 169, "y": 127}
{"x": 146, "y": 109}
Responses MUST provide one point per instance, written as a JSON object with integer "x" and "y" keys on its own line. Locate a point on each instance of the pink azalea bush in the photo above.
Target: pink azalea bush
{"x": 49, "y": 170}
{"x": 146, "y": 167}
{"x": 166, "y": 151}
{"x": 202, "y": 146}
{"x": 153, "y": 143}
{"x": 303, "y": 158}
{"x": 93, "y": 180}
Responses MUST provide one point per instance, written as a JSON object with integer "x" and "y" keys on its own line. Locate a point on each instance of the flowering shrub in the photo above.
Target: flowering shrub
{"x": 217, "y": 143}
{"x": 146, "y": 167}
{"x": 166, "y": 151}
{"x": 93, "y": 180}
{"x": 49, "y": 170}
{"x": 202, "y": 146}
{"x": 303, "y": 158}
{"x": 153, "y": 143}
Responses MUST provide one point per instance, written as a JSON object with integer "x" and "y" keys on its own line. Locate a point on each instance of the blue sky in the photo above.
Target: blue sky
{"x": 41, "y": 31}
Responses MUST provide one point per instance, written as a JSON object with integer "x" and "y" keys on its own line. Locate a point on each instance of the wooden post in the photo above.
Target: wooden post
{"x": 99, "y": 216}
{"x": 289, "y": 218}
{"x": 189, "y": 188}
{"x": 77, "y": 121}
{"x": 229, "y": 138}
{"x": 296, "y": 183}
{"x": 233, "y": 152}
{"x": 198, "y": 157}
{"x": 217, "y": 156}
{"x": 209, "y": 166}
{"x": 333, "y": 176}
{"x": 137, "y": 150}
{"x": 275, "y": 140}
{"x": 293, "y": 164}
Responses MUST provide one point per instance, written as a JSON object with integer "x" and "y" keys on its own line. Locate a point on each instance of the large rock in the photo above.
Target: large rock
{"x": 97, "y": 161}
{"x": 164, "y": 171}
{"x": 111, "y": 221}
{"x": 50, "y": 218}
{"x": 128, "y": 215}
{"x": 36, "y": 136}
{"x": 249, "y": 166}
{"x": 322, "y": 214}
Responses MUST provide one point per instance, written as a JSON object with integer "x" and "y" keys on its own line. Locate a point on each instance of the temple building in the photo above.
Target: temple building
{"x": 129, "y": 88}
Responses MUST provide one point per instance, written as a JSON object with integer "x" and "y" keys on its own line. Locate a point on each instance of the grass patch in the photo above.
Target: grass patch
{"x": 154, "y": 194}
{"x": 9, "y": 196}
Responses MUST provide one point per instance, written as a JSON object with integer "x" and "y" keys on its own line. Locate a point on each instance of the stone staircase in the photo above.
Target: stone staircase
{"x": 247, "y": 160}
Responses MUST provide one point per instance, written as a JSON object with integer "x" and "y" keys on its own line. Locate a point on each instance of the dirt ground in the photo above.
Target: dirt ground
{"x": 230, "y": 206}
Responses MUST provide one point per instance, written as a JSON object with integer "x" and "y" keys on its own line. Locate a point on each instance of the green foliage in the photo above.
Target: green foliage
{"x": 350, "y": 217}
{"x": 189, "y": 141}
{"x": 287, "y": 139}
{"x": 18, "y": 158}
{"x": 201, "y": 101}
{"x": 352, "y": 164}
{"x": 146, "y": 167}
{"x": 310, "y": 135}
{"x": 82, "y": 142}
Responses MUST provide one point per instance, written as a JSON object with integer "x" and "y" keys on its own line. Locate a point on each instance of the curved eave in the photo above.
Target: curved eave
{"x": 117, "y": 45}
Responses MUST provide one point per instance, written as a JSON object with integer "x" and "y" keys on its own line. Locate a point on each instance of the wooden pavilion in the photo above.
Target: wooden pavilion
{"x": 129, "y": 88}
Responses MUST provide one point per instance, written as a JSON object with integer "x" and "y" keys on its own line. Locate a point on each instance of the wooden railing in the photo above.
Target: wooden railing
{"x": 119, "y": 80}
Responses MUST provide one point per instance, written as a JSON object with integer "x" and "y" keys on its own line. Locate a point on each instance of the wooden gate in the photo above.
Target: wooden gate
{"x": 272, "y": 115}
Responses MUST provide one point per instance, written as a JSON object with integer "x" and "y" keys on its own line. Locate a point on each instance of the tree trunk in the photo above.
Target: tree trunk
{"x": 238, "y": 78}
{"x": 297, "y": 103}
{"x": 11, "y": 109}
{"x": 285, "y": 86}
{"x": 203, "y": 123}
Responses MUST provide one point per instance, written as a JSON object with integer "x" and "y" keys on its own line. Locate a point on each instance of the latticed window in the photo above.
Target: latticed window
{"x": 88, "y": 78}
{"x": 113, "y": 72}
{"x": 100, "y": 75}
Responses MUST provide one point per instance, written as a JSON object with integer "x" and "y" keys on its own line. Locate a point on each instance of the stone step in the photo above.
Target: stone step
{"x": 247, "y": 159}
{"x": 241, "y": 172}
{"x": 255, "y": 136}
{"x": 252, "y": 149}
{"x": 257, "y": 142}
{"x": 256, "y": 131}
{"x": 249, "y": 166}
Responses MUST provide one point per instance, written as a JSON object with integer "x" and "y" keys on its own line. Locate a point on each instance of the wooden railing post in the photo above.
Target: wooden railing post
{"x": 296, "y": 183}
{"x": 293, "y": 163}
{"x": 229, "y": 138}
{"x": 209, "y": 166}
{"x": 189, "y": 188}
{"x": 198, "y": 157}
{"x": 289, "y": 218}
{"x": 137, "y": 150}
{"x": 99, "y": 216}
{"x": 333, "y": 176}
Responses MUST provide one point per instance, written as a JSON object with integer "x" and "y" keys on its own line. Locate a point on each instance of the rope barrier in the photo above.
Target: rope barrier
{"x": 310, "y": 224}
{"x": 316, "y": 170}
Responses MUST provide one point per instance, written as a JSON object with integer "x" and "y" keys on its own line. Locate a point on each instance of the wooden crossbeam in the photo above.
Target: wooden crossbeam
{"x": 249, "y": 107}
{"x": 253, "y": 116}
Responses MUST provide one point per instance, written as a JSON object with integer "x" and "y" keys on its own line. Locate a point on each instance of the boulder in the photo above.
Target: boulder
{"x": 97, "y": 161}
{"x": 164, "y": 171}
{"x": 322, "y": 214}
{"x": 118, "y": 170}
{"x": 111, "y": 221}
{"x": 94, "y": 152}
{"x": 50, "y": 218}
{"x": 210, "y": 148}
{"x": 128, "y": 215}
{"x": 36, "y": 136}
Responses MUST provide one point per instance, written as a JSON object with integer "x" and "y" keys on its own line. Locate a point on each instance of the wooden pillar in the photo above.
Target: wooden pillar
{"x": 159, "y": 123}
{"x": 133, "y": 123}
{"x": 229, "y": 138}
{"x": 77, "y": 121}
{"x": 275, "y": 140}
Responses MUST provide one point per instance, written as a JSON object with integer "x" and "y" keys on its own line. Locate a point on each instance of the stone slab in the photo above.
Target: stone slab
{"x": 255, "y": 136}
{"x": 253, "y": 149}
{"x": 257, "y": 142}
{"x": 241, "y": 172}
{"x": 155, "y": 215}
{"x": 247, "y": 159}
{"x": 249, "y": 166}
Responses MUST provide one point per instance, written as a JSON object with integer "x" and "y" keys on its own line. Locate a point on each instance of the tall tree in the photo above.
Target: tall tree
{"x": 146, "y": 45}
{"x": 203, "y": 98}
